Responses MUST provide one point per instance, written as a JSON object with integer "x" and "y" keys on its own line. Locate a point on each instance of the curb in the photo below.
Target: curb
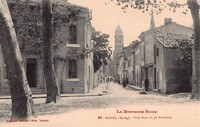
{"x": 44, "y": 96}
{"x": 135, "y": 87}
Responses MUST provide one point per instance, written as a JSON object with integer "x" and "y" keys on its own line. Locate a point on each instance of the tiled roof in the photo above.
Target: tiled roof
{"x": 171, "y": 40}
{"x": 129, "y": 49}
{"x": 170, "y": 34}
{"x": 170, "y": 28}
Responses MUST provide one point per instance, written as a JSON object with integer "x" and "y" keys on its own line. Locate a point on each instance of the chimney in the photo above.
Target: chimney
{"x": 167, "y": 21}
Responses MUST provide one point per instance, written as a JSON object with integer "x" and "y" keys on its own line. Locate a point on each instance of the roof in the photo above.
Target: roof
{"x": 171, "y": 40}
{"x": 118, "y": 30}
{"x": 129, "y": 49}
{"x": 166, "y": 28}
{"x": 170, "y": 35}
{"x": 135, "y": 43}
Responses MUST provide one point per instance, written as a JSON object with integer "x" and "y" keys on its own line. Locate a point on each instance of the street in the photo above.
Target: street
{"x": 119, "y": 106}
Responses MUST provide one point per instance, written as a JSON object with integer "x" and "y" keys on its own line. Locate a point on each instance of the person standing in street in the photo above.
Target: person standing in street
{"x": 146, "y": 84}
{"x": 124, "y": 82}
{"x": 127, "y": 82}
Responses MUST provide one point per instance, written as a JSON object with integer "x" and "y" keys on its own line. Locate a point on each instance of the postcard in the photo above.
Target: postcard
{"x": 99, "y": 63}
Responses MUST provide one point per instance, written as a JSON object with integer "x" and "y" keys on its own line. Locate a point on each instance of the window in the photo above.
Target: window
{"x": 5, "y": 72}
{"x": 133, "y": 75}
{"x": 119, "y": 41}
{"x": 157, "y": 51}
{"x": 73, "y": 34}
{"x": 129, "y": 63}
{"x": 72, "y": 68}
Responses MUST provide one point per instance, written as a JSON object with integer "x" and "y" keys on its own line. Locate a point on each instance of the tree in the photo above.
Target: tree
{"x": 53, "y": 93}
{"x": 21, "y": 96}
{"x": 194, "y": 8}
{"x": 185, "y": 46}
{"x": 157, "y": 6}
{"x": 102, "y": 51}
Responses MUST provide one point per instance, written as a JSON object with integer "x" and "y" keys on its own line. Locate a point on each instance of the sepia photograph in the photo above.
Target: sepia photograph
{"x": 100, "y": 63}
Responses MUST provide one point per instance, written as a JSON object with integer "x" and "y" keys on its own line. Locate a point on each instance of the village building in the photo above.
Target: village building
{"x": 159, "y": 63}
{"x": 147, "y": 41}
{"x": 131, "y": 64}
{"x": 128, "y": 63}
{"x": 155, "y": 58}
{"x": 171, "y": 76}
{"x": 120, "y": 69}
{"x": 137, "y": 70}
{"x": 72, "y": 44}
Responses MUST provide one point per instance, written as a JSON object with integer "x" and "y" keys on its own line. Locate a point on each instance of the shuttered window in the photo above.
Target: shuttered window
{"x": 72, "y": 68}
{"x": 73, "y": 34}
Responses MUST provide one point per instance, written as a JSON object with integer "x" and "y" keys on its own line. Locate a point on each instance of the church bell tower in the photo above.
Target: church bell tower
{"x": 119, "y": 40}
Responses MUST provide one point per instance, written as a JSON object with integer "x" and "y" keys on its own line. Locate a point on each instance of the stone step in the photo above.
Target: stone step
{"x": 38, "y": 91}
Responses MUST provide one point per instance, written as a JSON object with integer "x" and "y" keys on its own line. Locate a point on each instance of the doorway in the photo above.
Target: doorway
{"x": 155, "y": 79}
{"x": 31, "y": 72}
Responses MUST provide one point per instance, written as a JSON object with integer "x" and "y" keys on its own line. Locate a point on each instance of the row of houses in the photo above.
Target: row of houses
{"x": 156, "y": 57}
{"x": 72, "y": 39}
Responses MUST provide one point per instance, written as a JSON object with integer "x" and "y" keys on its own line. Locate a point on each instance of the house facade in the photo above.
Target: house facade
{"x": 137, "y": 64}
{"x": 72, "y": 44}
{"x": 131, "y": 64}
{"x": 159, "y": 63}
{"x": 120, "y": 68}
{"x": 127, "y": 63}
{"x": 147, "y": 40}
{"x": 170, "y": 75}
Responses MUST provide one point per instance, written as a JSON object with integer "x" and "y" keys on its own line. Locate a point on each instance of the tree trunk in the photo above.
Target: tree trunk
{"x": 194, "y": 8}
{"x": 21, "y": 96}
{"x": 53, "y": 93}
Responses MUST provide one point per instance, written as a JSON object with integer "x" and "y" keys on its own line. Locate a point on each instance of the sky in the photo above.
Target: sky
{"x": 106, "y": 17}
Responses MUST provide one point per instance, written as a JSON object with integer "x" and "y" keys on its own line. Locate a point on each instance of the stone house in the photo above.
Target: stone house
{"x": 131, "y": 64}
{"x": 159, "y": 62}
{"x": 147, "y": 41}
{"x": 127, "y": 62}
{"x": 120, "y": 68}
{"x": 170, "y": 76}
{"x": 72, "y": 44}
{"x": 137, "y": 64}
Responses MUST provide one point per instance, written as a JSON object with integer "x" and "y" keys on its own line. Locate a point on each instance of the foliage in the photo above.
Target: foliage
{"x": 27, "y": 21}
{"x": 102, "y": 52}
{"x": 68, "y": 18}
{"x": 155, "y": 6}
{"x": 185, "y": 47}
{"x": 27, "y": 18}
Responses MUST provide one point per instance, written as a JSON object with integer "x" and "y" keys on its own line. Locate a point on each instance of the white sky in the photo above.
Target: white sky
{"x": 107, "y": 17}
